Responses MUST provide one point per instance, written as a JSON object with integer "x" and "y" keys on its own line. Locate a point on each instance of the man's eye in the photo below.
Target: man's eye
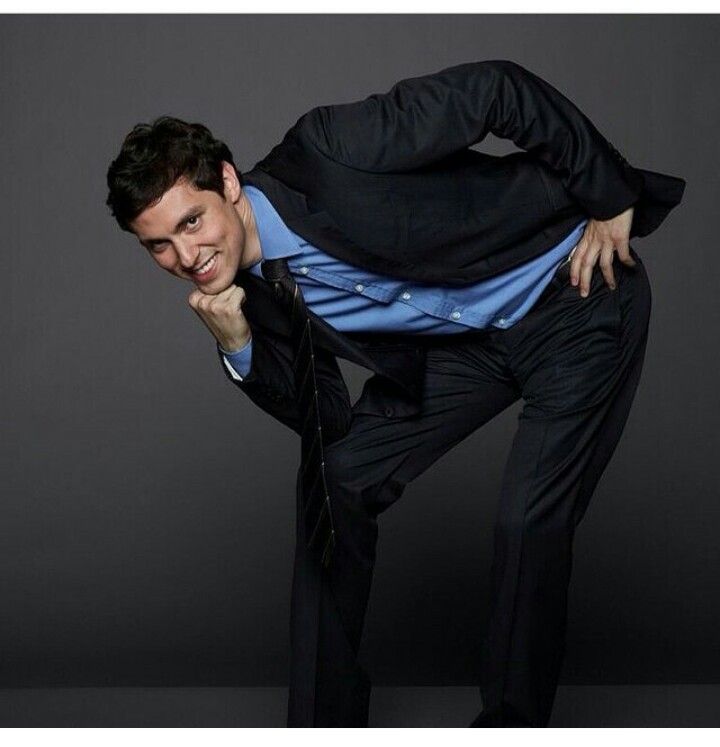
{"x": 195, "y": 218}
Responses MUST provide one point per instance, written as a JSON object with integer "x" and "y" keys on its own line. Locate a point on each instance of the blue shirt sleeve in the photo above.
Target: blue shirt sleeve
{"x": 240, "y": 360}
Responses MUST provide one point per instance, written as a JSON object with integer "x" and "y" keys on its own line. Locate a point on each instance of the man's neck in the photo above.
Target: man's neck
{"x": 253, "y": 251}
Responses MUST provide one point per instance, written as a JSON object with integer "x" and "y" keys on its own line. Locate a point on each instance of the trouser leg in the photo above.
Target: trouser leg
{"x": 579, "y": 362}
{"x": 367, "y": 470}
{"x": 328, "y": 687}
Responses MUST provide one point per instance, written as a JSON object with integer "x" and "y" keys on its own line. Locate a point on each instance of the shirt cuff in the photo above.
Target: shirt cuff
{"x": 238, "y": 363}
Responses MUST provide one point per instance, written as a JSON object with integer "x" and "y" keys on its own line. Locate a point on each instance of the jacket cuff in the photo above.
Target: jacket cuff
{"x": 609, "y": 187}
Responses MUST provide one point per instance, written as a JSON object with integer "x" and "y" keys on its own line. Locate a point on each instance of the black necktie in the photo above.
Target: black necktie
{"x": 320, "y": 532}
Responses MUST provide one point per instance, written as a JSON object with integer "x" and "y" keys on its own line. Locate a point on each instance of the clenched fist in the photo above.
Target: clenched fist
{"x": 222, "y": 315}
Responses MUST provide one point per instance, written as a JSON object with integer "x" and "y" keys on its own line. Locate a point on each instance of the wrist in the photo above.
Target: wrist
{"x": 235, "y": 345}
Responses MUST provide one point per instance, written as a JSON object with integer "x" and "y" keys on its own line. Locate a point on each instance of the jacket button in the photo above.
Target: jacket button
{"x": 389, "y": 411}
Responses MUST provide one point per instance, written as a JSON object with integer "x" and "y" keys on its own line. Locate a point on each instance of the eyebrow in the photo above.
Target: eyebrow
{"x": 185, "y": 217}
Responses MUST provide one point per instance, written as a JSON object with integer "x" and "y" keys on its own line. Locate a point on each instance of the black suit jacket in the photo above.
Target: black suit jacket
{"x": 390, "y": 183}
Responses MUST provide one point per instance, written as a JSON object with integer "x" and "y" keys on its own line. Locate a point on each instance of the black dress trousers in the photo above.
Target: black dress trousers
{"x": 576, "y": 364}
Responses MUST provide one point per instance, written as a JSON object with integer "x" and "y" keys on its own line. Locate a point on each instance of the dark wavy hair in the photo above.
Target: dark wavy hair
{"x": 154, "y": 156}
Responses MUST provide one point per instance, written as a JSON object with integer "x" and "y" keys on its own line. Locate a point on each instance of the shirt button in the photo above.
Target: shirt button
{"x": 455, "y": 315}
{"x": 304, "y": 270}
{"x": 359, "y": 287}
{"x": 502, "y": 321}
{"x": 406, "y": 296}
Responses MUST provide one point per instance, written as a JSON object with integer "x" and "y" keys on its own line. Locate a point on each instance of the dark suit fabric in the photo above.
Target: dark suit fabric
{"x": 576, "y": 363}
{"x": 391, "y": 183}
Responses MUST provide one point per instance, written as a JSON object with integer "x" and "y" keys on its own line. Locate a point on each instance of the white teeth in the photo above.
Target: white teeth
{"x": 206, "y": 266}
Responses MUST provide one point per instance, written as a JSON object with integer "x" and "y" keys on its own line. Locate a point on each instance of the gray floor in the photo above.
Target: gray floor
{"x": 652, "y": 705}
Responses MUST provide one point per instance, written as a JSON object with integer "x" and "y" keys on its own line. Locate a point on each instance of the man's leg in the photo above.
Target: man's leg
{"x": 466, "y": 385}
{"x": 579, "y": 362}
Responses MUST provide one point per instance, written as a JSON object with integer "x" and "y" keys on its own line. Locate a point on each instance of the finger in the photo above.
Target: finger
{"x": 232, "y": 303}
{"x": 606, "y": 265}
{"x": 237, "y": 294}
{"x": 227, "y": 292}
{"x": 203, "y": 302}
{"x": 193, "y": 298}
{"x": 623, "y": 250}
{"x": 586, "y": 269}
{"x": 230, "y": 306}
{"x": 576, "y": 261}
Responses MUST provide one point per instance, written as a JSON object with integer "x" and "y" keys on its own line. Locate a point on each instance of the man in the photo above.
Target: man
{"x": 464, "y": 282}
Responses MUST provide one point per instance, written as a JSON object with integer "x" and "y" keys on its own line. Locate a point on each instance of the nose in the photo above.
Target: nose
{"x": 188, "y": 254}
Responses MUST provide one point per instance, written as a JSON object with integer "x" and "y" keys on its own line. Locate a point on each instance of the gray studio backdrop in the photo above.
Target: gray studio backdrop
{"x": 147, "y": 510}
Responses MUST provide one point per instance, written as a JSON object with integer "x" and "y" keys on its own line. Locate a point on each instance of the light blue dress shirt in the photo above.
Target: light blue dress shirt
{"x": 353, "y": 299}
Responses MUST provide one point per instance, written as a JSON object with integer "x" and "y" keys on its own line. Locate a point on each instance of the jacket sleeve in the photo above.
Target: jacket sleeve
{"x": 270, "y": 384}
{"x": 423, "y": 119}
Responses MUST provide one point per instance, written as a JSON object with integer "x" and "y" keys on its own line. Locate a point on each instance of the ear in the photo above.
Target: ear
{"x": 231, "y": 183}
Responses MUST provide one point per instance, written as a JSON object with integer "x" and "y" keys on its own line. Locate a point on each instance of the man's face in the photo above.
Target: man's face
{"x": 194, "y": 234}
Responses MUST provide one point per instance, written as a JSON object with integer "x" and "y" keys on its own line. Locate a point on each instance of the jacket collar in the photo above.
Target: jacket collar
{"x": 315, "y": 226}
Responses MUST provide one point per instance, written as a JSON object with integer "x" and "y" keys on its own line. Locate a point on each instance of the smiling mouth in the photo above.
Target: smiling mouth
{"x": 207, "y": 267}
